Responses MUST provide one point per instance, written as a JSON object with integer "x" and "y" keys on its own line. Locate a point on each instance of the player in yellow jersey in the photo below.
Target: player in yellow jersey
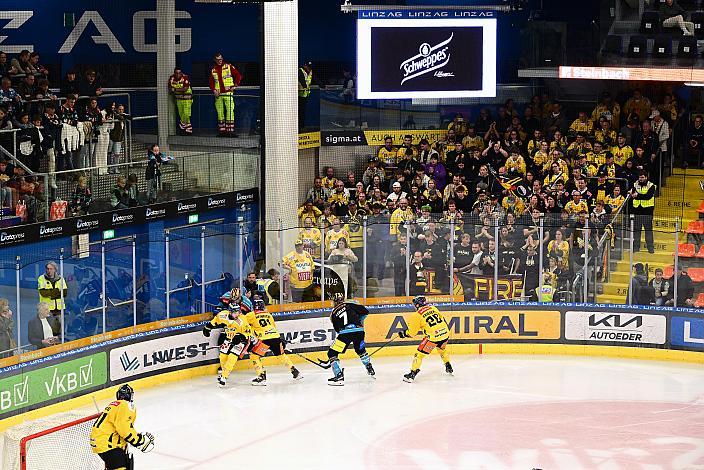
{"x": 239, "y": 339}
{"x": 436, "y": 332}
{"x": 265, "y": 330}
{"x": 114, "y": 429}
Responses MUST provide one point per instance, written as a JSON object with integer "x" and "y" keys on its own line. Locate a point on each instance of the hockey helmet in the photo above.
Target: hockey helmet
{"x": 234, "y": 310}
{"x": 419, "y": 301}
{"x": 338, "y": 297}
{"x": 258, "y": 305}
{"x": 125, "y": 393}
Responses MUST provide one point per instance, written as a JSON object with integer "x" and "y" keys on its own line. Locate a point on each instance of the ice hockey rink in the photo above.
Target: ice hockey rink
{"x": 495, "y": 413}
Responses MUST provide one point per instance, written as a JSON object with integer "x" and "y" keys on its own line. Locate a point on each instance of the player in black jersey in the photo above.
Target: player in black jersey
{"x": 348, "y": 320}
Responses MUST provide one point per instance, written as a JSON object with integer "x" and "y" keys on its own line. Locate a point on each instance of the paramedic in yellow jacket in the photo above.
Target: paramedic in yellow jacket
{"x": 436, "y": 335}
{"x": 114, "y": 429}
{"x": 180, "y": 88}
{"x": 239, "y": 339}
{"x": 224, "y": 78}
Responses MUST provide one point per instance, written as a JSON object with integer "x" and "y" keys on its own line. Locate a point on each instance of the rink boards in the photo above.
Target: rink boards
{"x": 178, "y": 349}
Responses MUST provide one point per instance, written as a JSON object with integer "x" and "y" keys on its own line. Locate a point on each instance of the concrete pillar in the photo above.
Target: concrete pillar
{"x": 280, "y": 123}
{"x": 165, "y": 63}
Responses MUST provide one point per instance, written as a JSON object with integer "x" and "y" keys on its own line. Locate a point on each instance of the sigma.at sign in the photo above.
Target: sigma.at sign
{"x": 162, "y": 353}
{"x": 615, "y": 327}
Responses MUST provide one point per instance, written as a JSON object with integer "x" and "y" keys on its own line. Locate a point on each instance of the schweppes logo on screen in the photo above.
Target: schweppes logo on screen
{"x": 480, "y": 325}
{"x": 429, "y": 58}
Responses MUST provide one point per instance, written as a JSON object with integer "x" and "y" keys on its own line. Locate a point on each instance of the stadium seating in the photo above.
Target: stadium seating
{"x": 686, "y": 250}
{"x": 700, "y": 253}
{"x": 687, "y": 47}
{"x": 695, "y": 227}
{"x": 650, "y": 23}
{"x": 663, "y": 46}
{"x": 638, "y": 46}
{"x": 697, "y": 18}
{"x": 699, "y": 301}
{"x": 613, "y": 44}
{"x": 700, "y": 210}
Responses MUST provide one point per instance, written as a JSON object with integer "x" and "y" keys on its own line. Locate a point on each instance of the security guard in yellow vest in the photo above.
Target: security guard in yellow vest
{"x": 180, "y": 88}
{"x": 52, "y": 291}
{"x": 224, "y": 78}
{"x": 643, "y": 195}
{"x": 305, "y": 77}
{"x": 547, "y": 293}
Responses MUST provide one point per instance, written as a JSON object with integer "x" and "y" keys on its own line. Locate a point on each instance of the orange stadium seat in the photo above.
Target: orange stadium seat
{"x": 686, "y": 250}
{"x": 697, "y": 274}
{"x": 701, "y": 207}
{"x": 696, "y": 227}
{"x": 668, "y": 271}
{"x": 700, "y": 253}
{"x": 699, "y": 302}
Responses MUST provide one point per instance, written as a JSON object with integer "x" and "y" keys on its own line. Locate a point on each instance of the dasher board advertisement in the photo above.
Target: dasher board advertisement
{"x": 426, "y": 58}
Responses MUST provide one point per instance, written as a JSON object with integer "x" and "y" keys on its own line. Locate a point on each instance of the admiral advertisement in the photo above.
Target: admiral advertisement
{"x": 446, "y": 57}
{"x": 616, "y": 327}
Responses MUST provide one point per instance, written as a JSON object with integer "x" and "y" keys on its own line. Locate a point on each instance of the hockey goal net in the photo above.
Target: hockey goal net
{"x": 58, "y": 441}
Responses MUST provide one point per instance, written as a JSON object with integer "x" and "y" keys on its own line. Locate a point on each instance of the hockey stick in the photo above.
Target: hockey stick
{"x": 319, "y": 363}
{"x": 393, "y": 338}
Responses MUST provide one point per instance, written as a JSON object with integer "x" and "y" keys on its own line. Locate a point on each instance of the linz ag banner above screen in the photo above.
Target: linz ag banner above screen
{"x": 404, "y": 57}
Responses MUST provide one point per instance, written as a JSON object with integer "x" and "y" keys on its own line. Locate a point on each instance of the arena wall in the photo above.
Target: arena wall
{"x": 161, "y": 352}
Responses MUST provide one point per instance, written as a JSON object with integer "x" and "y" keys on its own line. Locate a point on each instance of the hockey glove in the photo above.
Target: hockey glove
{"x": 206, "y": 331}
{"x": 238, "y": 338}
{"x": 148, "y": 442}
{"x": 404, "y": 334}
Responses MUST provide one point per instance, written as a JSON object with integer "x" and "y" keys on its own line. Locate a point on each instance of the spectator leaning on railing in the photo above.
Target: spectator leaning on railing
{"x": 153, "y": 172}
{"x": 71, "y": 135}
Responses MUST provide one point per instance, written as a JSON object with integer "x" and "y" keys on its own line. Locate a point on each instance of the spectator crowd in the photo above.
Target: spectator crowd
{"x": 494, "y": 180}
{"x": 51, "y": 131}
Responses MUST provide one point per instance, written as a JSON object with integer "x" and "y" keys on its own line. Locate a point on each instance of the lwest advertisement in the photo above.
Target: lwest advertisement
{"x": 162, "y": 353}
{"x": 49, "y": 383}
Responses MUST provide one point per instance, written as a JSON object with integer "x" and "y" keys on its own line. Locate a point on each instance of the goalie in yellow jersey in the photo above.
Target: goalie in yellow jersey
{"x": 265, "y": 330}
{"x": 436, "y": 331}
{"x": 114, "y": 429}
{"x": 239, "y": 339}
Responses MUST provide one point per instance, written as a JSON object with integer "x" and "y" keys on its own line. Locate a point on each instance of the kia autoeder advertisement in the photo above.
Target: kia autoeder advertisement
{"x": 426, "y": 58}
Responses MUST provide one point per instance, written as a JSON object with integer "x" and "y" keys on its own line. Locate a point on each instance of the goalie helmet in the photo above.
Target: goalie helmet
{"x": 419, "y": 301}
{"x": 125, "y": 393}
